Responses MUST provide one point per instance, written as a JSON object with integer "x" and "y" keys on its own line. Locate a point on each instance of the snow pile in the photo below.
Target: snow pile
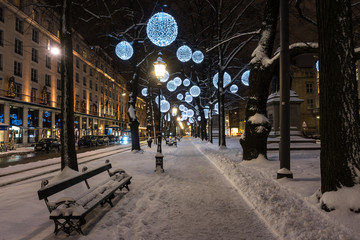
{"x": 287, "y": 212}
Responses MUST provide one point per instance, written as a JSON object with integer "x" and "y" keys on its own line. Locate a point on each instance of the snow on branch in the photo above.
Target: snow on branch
{"x": 258, "y": 119}
{"x": 131, "y": 112}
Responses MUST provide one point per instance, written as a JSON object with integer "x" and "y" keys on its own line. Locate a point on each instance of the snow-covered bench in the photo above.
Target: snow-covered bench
{"x": 69, "y": 213}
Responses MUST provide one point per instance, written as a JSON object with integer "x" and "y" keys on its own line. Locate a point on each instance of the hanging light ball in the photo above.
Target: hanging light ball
{"x": 185, "y": 109}
{"x": 180, "y": 97}
{"x": 234, "y": 88}
{"x": 195, "y": 91}
{"x": 187, "y": 93}
{"x": 191, "y": 120}
{"x": 124, "y": 50}
{"x": 190, "y": 113}
{"x": 165, "y": 77}
{"x": 181, "y": 107}
{"x": 188, "y": 99}
{"x": 186, "y": 82}
{"x": 144, "y": 92}
{"x": 162, "y": 29}
{"x": 177, "y": 81}
{"x": 216, "y": 108}
{"x": 245, "y": 78}
{"x": 184, "y": 53}
{"x": 157, "y": 99}
{"x": 317, "y": 65}
{"x": 164, "y": 106}
{"x": 198, "y": 57}
{"x": 171, "y": 86}
{"x": 226, "y": 79}
{"x": 199, "y": 118}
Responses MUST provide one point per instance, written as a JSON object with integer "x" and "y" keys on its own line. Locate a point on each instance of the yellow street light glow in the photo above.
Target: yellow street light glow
{"x": 160, "y": 68}
{"x": 55, "y": 51}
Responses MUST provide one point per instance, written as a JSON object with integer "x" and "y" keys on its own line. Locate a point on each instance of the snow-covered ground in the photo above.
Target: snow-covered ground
{"x": 205, "y": 193}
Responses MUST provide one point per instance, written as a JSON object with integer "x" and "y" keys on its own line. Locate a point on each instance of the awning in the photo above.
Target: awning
{"x": 113, "y": 126}
{"x": 3, "y": 127}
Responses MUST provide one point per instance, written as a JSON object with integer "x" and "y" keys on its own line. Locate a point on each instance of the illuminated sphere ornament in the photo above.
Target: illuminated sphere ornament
{"x": 191, "y": 120}
{"x": 185, "y": 109}
{"x": 317, "y": 65}
{"x": 180, "y": 96}
{"x": 162, "y": 29}
{"x": 124, "y": 50}
{"x": 186, "y": 82}
{"x": 188, "y": 99}
{"x": 164, "y": 106}
{"x": 171, "y": 86}
{"x": 165, "y": 77}
{"x": 198, "y": 57}
{"x": 226, "y": 79}
{"x": 190, "y": 113}
{"x": 234, "y": 88}
{"x": 245, "y": 78}
{"x": 157, "y": 99}
{"x": 177, "y": 81}
{"x": 144, "y": 92}
{"x": 199, "y": 118}
{"x": 184, "y": 53}
{"x": 181, "y": 107}
{"x": 195, "y": 91}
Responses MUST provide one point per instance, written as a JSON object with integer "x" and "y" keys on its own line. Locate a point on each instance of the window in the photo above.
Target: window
{"x": 90, "y": 84}
{"x": 47, "y": 80}
{"x": 84, "y": 67}
{"x": 309, "y": 88}
{"x": 77, "y": 63}
{"x": 33, "y": 94}
{"x": 84, "y": 81}
{"x": 1, "y": 38}
{"x": 58, "y": 67}
{"x": 19, "y": 25}
{"x": 50, "y": 26}
{"x": 84, "y": 94}
{"x": 84, "y": 54}
{"x": 77, "y": 77}
{"x": 18, "y": 46}
{"x": 48, "y": 62}
{"x": 34, "y": 75}
{"x": 310, "y": 103}
{"x": 96, "y": 88}
{"x": 48, "y": 44}
{"x": 91, "y": 72}
{"x": 58, "y": 84}
{"x": 77, "y": 48}
{"x": 1, "y": 14}
{"x": 34, "y": 55}
{"x": 35, "y": 35}
{"x": 18, "y": 89}
{"x": 17, "y": 68}
{"x": 1, "y": 62}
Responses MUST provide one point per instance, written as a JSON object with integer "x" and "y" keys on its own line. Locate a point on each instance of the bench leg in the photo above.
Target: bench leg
{"x": 67, "y": 226}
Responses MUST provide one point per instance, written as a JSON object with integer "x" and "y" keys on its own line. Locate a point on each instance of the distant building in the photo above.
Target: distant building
{"x": 30, "y": 80}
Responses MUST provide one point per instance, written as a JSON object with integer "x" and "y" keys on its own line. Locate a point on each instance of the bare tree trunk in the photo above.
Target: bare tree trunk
{"x": 257, "y": 126}
{"x": 340, "y": 149}
{"x": 68, "y": 152}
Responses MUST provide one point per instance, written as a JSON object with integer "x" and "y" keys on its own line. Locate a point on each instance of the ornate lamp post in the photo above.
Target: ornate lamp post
{"x": 160, "y": 68}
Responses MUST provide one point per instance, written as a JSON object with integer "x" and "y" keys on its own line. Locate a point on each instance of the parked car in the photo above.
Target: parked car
{"x": 48, "y": 144}
{"x": 102, "y": 140}
{"x": 89, "y": 140}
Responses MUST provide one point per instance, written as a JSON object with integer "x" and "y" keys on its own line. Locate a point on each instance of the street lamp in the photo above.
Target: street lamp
{"x": 160, "y": 70}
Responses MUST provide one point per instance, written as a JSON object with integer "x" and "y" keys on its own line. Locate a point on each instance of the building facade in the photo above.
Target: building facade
{"x": 30, "y": 80}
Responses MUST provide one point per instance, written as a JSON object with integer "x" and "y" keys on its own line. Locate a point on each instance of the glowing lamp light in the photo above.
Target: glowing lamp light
{"x": 124, "y": 50}
{"x": 226, "y": 79}
{"x": 234, "y": 88}
{"x": 174, "y": 111}
{"x": 160, "y": 68}
{"x": 191, "y": 120}
{"x": 165, "y": 77}
{"x": 195, "y": 91}
{"x": 206, "y": 113}
{"x": 162, "y": 29}
{"x": 188, "y": 99}
{"x": 55, "y": 51}
{"x": 186, "y": 82}
{"x": 144, "y": 92}
{"x": 245, "y": 78}
{"x": 164, "y": 106}
{"x": 177, "y": 81}
{"x": 184, "y": 53}
{"x": 317, "y": 65}
{"x": 171, "y": 86}
{"x": 180, "y": 97}
{"x": 199, "y": 118}
{"x": 198, "y": 57}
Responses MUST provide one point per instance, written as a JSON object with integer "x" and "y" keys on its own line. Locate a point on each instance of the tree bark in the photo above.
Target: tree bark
{"x": 254, "y": 139}
{"x": 68, "y": 152}
{"x": 339, "y": 111}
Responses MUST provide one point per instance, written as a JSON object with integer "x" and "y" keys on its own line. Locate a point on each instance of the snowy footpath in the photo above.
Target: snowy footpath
{"x": 204, "y": 193}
